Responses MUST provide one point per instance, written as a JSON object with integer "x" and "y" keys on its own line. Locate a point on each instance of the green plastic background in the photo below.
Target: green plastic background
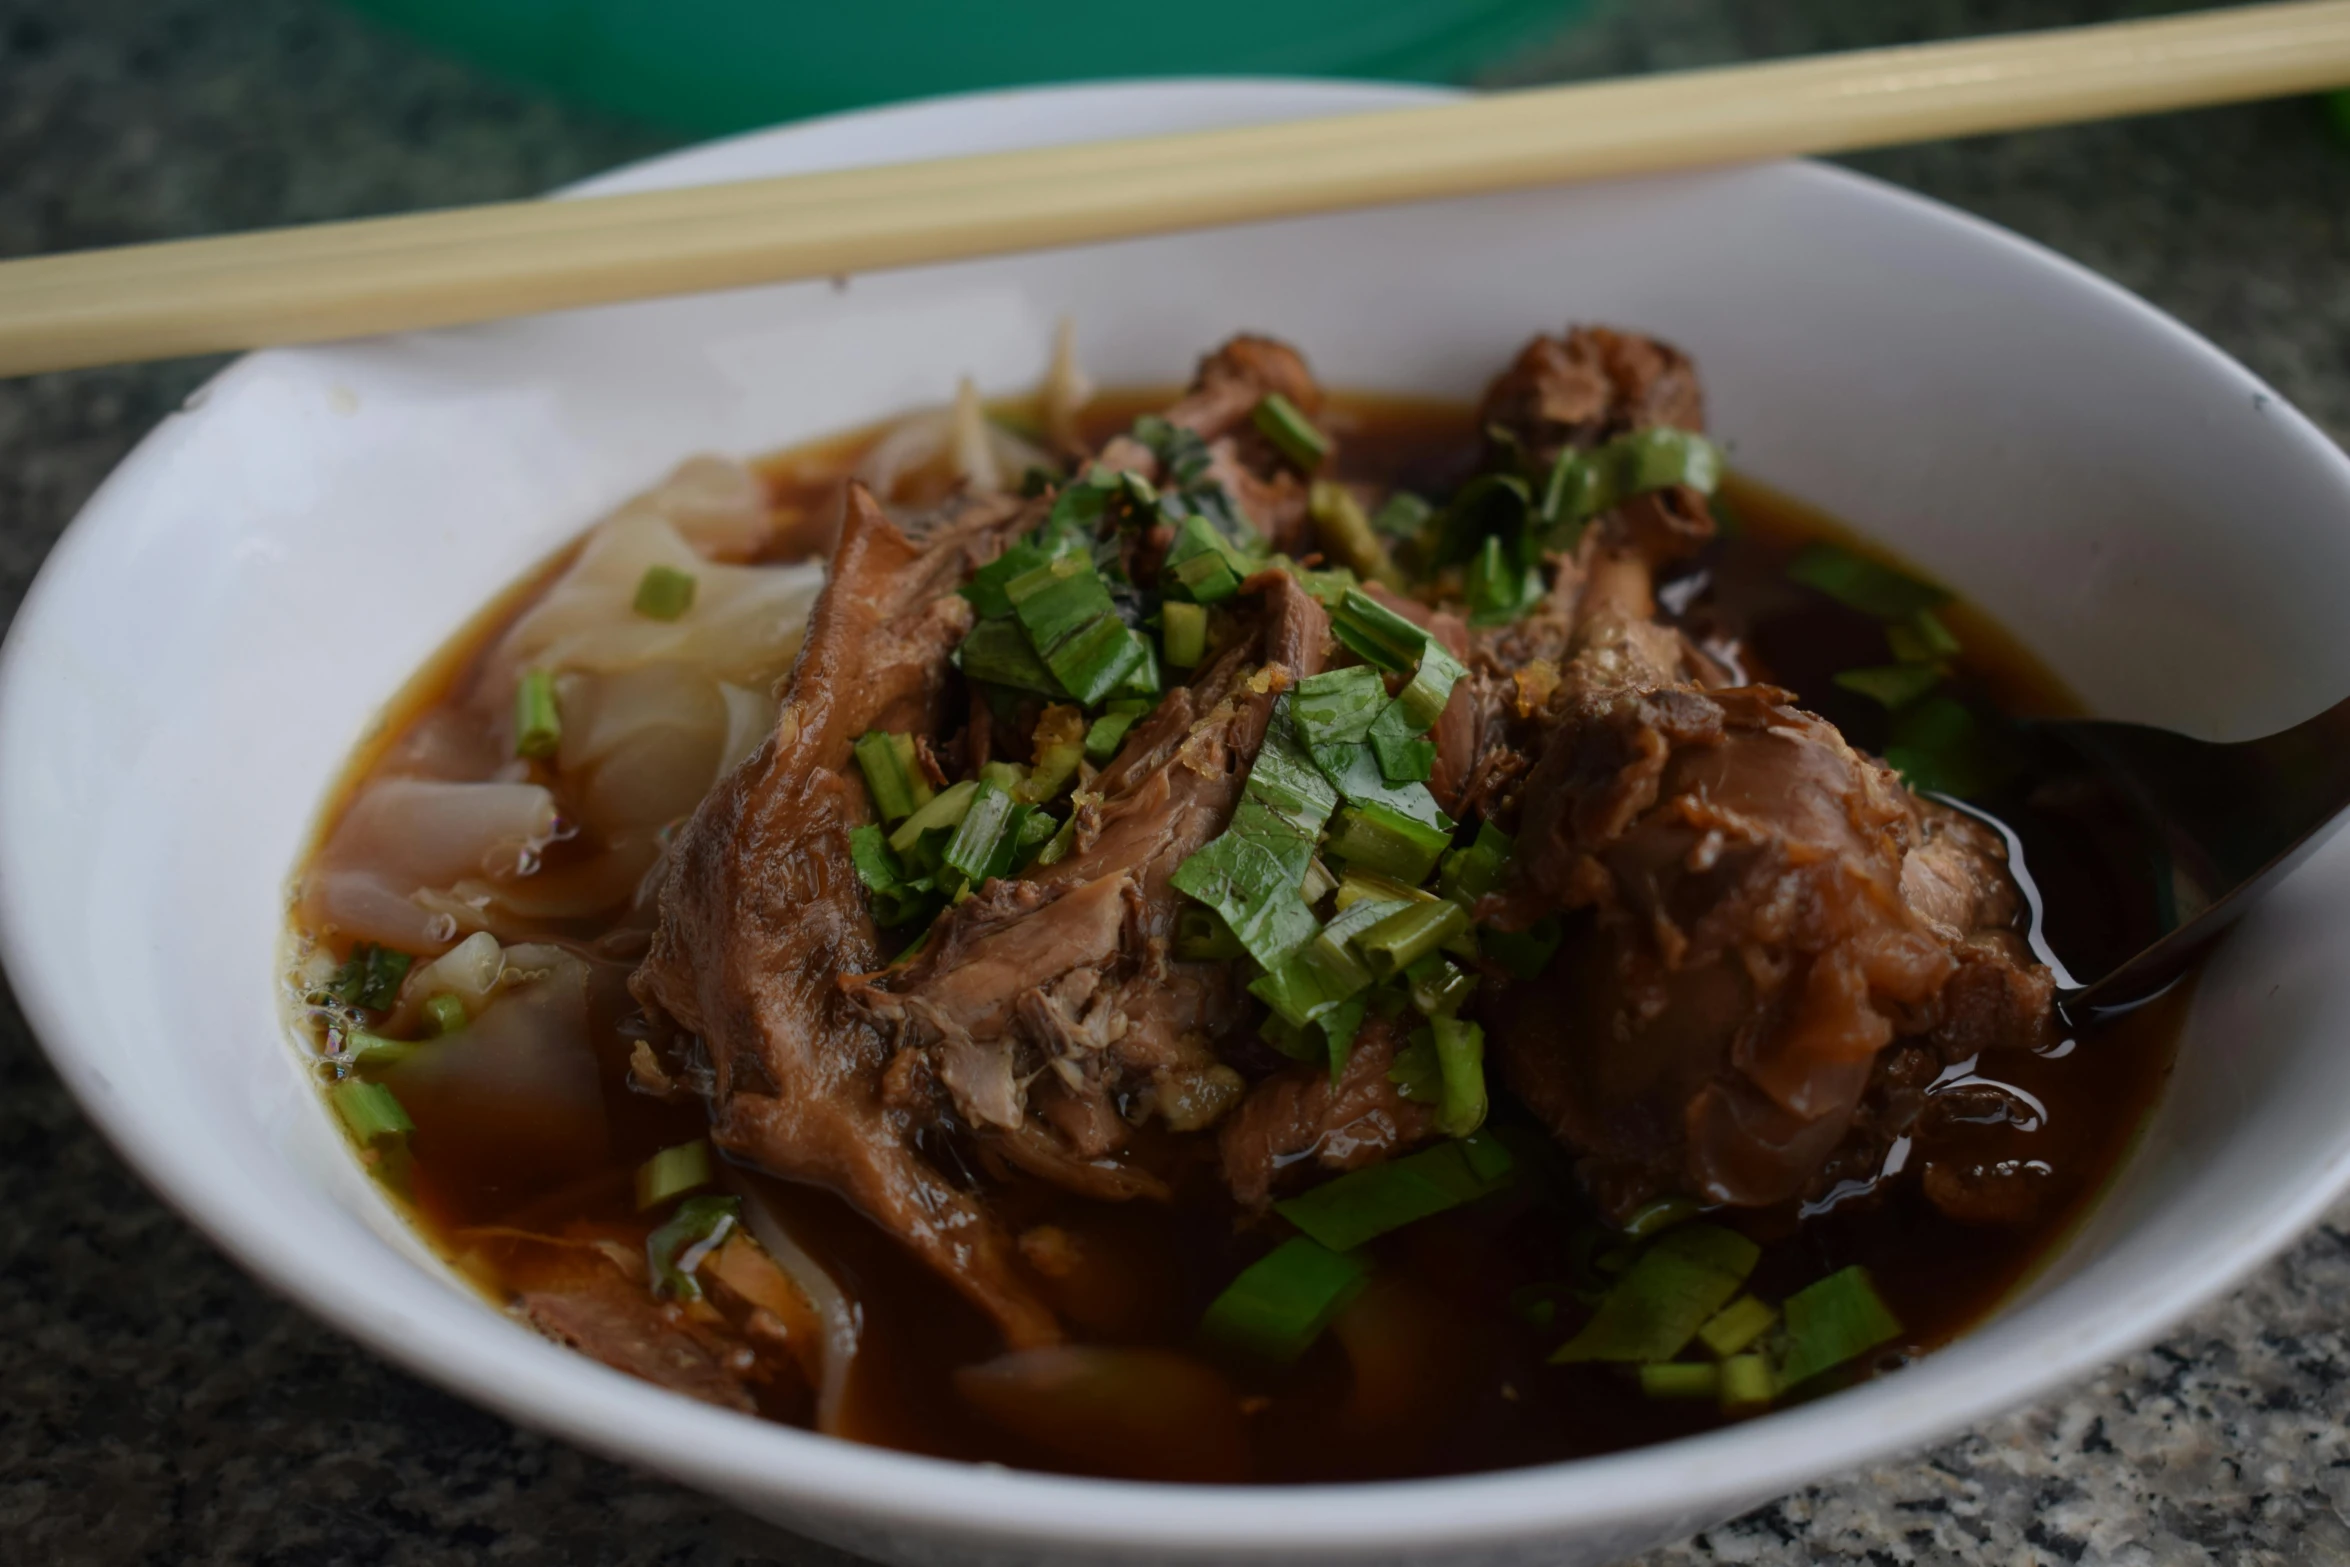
{"x": 719, "y": 65}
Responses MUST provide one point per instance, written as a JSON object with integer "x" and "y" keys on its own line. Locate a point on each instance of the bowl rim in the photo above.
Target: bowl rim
{"x": 771, "y": 1466}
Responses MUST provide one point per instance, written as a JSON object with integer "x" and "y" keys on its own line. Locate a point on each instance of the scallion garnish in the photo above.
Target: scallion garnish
{"x": 1377, "y": 633}
{"x": 1892, "y": 686}
{"x": 675, "y": 1250}
{"x": 1746, "y": 1384}
{"x": 1858, "y": 582}
{"x": 672, "y": 1173}
{"x": 1439, "y": 987}
{"x": 1290, "y": 431}
{"x": 1324, "y": 972}
{"x": 1354, "y": 771}
{"x": 1501, "y": 584}
{"x": 1402, "y": 515}
{"x": 446, "y": 1013}
{"x": 1410, "y": 934}
{"x": 986, "y": 835}
{"x": 1921, "y": 639}
{"x": 1108, "y": 732}
{"x": 894, "y": 897}
{"x": 1184, "y": 630}
{"x": 370, "y": 1111}
{"x": 1838, "y": 1319}
{"x": 1482, "y": 867}
{"x": 371, "y": 977}
{"x": 943, "y": 810}
{"x": 1680, "y": 1379}
{"x": 1201, "y": 937}
{"x": 1658, "y": 1215}
{"x": 1362, "y": 1205}
{"x": 1345, "y": 534}
{"x": 373, "y": 1052}
{"x": 892, "y": 775}
{"x": 1736, "y": 1326}
{"x": 538, "y": 727}
{"x": 1677, "y": 1283}
{"x": 999, "y": 652}
{"x": 1251, "y": 872}
{"x": 1338, "y": 706}
{"x": 1460, "y": 1066}
{"x": 1385, "y": 841}
{"x": 664, "y": 593}
{"x": 1663, "y": 456}
{"x": 1277, "y": 1307}
{"x": 1524, "y": 953}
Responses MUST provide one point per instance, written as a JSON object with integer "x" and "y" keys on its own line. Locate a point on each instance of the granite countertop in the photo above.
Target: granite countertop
{"x": 156, "y": 1405}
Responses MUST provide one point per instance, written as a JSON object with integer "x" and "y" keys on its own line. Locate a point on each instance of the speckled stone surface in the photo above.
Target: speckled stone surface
{"x": 157, "y": 1406}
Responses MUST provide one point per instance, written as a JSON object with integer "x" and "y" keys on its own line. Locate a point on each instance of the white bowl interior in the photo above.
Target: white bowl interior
{"x": 213, "y": 636}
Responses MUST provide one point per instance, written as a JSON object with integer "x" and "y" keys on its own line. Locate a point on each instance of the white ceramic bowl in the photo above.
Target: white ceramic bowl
{"x": 213, "y": 635}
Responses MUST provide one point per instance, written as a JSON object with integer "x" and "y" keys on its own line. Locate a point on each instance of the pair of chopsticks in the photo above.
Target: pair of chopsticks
{"x": 476, "y": 264}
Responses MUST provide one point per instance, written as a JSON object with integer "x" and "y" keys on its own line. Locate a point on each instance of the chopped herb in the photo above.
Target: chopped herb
{"x": 1482, "y": 867}
{"x": 1502, "y": 584}
{"x": 1415, "y": 1072}
{"x": 1290, "y": 431}
{"x": 371, "y": 977}
{"x": 370, "y": 1111}
{"x": 1201, "y": 937}
{"x": 893, "y": 777}
{"x": 1460, "y": 1064}
{"x": 999, "y": 652}
{"x": 1490, "y": 506}
{"x": 895, "y": 898}
{"x": 1324, "y": 972}
{"x": 1277, "y": 1308}
{"x": 1377, "y": 633}
{"x": 675, "y": 1251}
{"x": 1661, "y": 457}
{"x": 1680, "y": 1379}
{"x": 664, "y": 593}
{"x": 1892, "y": 686}
{"x": 1939, "y": 746}
{"x": 1921, "y": 639}
{"x": 1362, "y": 1205}
{"x": 1345, "y": 534}
{"x": 446, "y": 1013}
{"x": 1107, "y": 734}
{"x": 1736, "y": 1326}
{"x": 672, "y": 1173}
{"x": 1405, "y": 755}
{"x": 1251, "y": 872}
{"x": 1402, "y": 515}
{"x": 373, "y": 1052}
{"x": 944, "y": 810}
{"x": 987, "y": 836}
{"x": 1338, "y": 705}
{"x": 1410, "y": 934}
{"x": 1654, "y": 1218}
{"x": 1439, "y": 987}
{"x": 1354, "y": 771}
{"x": 1383, "y": 840}
{"x": 1678, "y": 1282}
{"x": 1746, "y": 1384}
{"x": 1836, "y": 1320}
{"x": 1184, "y": 628}
{"x": 1858, "y": 582}
{"x": 538, "y": 727}
{"x": 1524, "y": 953}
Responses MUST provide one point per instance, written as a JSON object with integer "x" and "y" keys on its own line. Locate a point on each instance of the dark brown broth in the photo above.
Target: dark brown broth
{"x": 1450, "y": 1379}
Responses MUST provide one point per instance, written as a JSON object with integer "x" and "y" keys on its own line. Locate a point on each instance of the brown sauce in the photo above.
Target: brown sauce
{"x": 1433, "y": 1371}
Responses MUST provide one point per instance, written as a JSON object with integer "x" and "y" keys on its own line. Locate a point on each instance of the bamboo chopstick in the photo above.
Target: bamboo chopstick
{"x": 474, "y": 264}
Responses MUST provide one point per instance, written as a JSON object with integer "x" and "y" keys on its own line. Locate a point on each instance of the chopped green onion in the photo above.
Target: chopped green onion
{"x": 1679, "y": 1281}
{"x": 1482, "y": 867}
{"x": 1362, "y": 1205}
{"x": 1056, "y": 848}
{"x": 1460, "y": 1063}
{"x": 371, "y": 977}
{"x": 945, "y": 809}
{"x": 675, "y": 1250}
{"x": 1578, "y": 489}
{"x": 895, "y": 898}
{"x": 1337, "y": 706}
{"x": 1439, "y": 987}
{"x": 1277, "y": 1308}
{"x": 1524, "y": 953}
{"x": 1402, "y": 515}
{"x": 1357, "y": 885}
{"x": 1403, "y": 753}
{"x": 1654, "y": 1218}
{"x": 1099, "y": 659}
{"x": 1201, "y": 937}
{"x": 1060, "y": 740}
{"x": 1746, "y": 1384}
{"x": 1205, "y": 563}
{"x": 1423, "y": 698}
{"x": 1107, "y": 734}
{"x": 372, "y": 1052}
{"x": 1377, "y": 633}
{"x": 1380, "y": 839}
{"x": 1142, "y": 683}
{"x": 1680, "y": 1379}
{"x": 1921, "y": 639}
{"x": 1662, "y": 456}
{"x": 1940, "y": 747}
{"x": 987, "y": 833}
{"x": 672, "y": 1173}
{"x": 999, "y": 652}
{"x": 1892, "y": 686}
{"x": 1500, "y": 586}
{"x": 1207, "y": 578}
{"x": 1345, "y": 534}
{"x": 892, "y": 775}
{"x": 1339, "y": 1026}
{"x": 1184, "y": 628}
{"x": 1838, "y": 1319}
{"x": 446, "y": 1013}
{"x": 1321, "y": 974}
{"x": 1858, "y": 582}
{"x": 1408, "y": 935}
{"x": 538, "y": 727}
{"x": 1415, "y": 1072}
{"x": 1249, "y": 874}
{"x": 1289, "y": 430}
{"x": 1736, "y": 1326}
{"x": 370, "y": 1111}
{"x": 1065, "y": 608}
{"x": 664, "y": 593}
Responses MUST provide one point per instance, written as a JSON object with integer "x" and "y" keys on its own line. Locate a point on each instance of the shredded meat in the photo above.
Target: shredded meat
{"x": 1051, "y": 1006}
{"x": 1299, "y": 1118}
{"x": 762, "y": 913}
